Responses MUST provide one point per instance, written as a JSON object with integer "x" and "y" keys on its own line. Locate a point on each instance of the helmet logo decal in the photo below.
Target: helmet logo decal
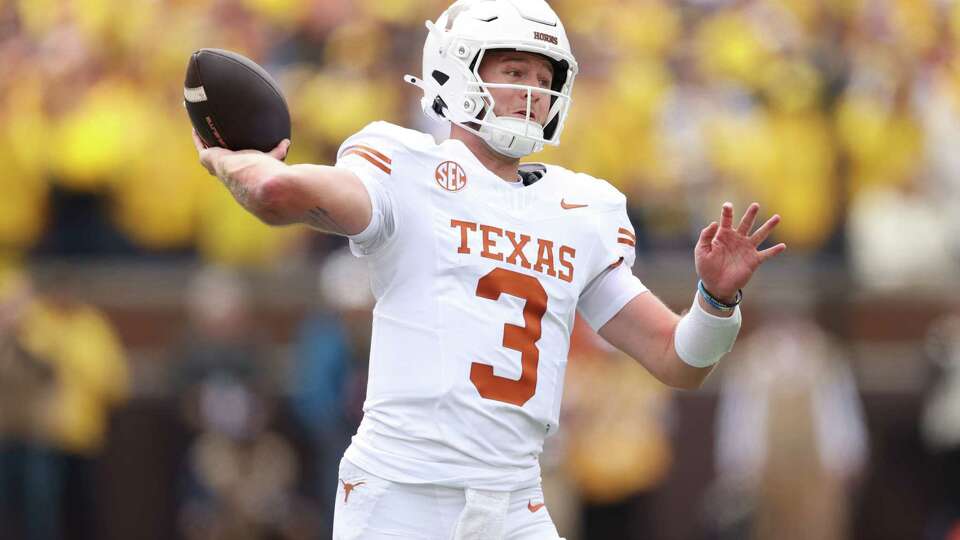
{"x": 546, "y": 37}
{"x": 451, "y": 176}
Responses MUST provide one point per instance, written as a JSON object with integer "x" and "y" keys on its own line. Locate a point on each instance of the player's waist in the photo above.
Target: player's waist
{"x": 434, "y": 460}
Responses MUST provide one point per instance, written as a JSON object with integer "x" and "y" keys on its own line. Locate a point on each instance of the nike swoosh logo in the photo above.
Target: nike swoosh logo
{"x": 567, "y": 206}
{"x": 534, "y": 507}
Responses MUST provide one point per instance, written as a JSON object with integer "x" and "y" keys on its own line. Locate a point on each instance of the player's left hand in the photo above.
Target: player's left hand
{"x": 726, "y": 258}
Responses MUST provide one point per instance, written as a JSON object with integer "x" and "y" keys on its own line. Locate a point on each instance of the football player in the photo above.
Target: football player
{"x": 479, "y": 266}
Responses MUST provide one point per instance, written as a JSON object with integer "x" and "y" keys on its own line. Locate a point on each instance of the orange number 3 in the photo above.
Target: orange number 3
{"x": 519, "y": 338}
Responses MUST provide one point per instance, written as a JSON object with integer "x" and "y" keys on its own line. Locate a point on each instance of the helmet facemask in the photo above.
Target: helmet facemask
{"x": 510, "y": 135}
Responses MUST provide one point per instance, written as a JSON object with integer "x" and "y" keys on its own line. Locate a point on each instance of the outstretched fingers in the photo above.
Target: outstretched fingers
{"x": 726, "y": 216}
{"x": 772, "y": 252}
{"x": 749, "y": 218}
{"x": 707, "y": 234}
{"x": 761, "y": 234}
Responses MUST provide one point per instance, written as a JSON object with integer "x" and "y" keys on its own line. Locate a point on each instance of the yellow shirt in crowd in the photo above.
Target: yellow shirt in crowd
{"x": 90, "y": 371}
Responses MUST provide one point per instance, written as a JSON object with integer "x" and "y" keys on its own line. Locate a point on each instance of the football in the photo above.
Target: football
{"x": 234, "y": 103}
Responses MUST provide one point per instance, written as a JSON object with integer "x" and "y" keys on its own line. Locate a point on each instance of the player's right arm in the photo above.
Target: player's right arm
{"x": 330, "y": 199}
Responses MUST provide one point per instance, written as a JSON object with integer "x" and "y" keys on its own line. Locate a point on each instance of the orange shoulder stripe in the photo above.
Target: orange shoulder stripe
{"x": 380, "y": 155}
{"x": 377, "y": 163}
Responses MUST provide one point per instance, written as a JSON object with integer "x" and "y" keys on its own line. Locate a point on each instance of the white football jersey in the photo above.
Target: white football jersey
{"x": 477, "y": 282}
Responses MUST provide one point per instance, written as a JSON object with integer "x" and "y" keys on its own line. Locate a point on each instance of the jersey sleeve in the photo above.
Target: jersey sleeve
{"x": 369, "y": 154}
{"x": 614, "y": 283}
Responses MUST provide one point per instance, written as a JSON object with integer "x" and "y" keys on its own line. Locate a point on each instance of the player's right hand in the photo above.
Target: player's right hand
{"x": 209, "y": 156}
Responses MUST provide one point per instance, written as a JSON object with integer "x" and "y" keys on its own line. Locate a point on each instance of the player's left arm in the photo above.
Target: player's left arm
{"x": 650, "y": 332}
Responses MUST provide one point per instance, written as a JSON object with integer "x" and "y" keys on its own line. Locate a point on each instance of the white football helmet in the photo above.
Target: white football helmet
{"x": 451, "y": 84}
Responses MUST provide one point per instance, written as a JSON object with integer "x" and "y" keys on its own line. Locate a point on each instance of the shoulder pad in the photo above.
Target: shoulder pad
{"x": 380, "y": 142}
{"x": 398, "y": 135}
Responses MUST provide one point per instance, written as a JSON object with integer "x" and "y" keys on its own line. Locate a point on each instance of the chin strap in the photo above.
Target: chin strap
{"x": 508, "y": 144}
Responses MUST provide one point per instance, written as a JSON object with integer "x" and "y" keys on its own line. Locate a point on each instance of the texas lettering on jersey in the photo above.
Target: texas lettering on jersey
{"x": 518, "y": 249}
{"x": 478, "y": 282}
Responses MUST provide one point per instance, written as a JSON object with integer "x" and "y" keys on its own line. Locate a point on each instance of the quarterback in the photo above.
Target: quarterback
{"x": 479, "y": 265}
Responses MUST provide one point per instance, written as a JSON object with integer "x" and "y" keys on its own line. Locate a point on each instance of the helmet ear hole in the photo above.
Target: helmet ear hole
{"x": 440, "y": 77}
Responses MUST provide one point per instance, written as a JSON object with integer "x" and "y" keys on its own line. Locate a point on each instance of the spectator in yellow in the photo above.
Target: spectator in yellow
{"x": 618, "y": 449}
{"x": 29, "y": 469}
{"x": 90, "y": 373}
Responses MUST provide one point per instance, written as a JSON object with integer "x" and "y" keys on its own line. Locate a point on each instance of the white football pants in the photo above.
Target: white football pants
{"x": 371, "y": 508}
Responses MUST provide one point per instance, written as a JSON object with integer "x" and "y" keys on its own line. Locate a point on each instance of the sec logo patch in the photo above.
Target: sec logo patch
{"x": 451, "y": 176}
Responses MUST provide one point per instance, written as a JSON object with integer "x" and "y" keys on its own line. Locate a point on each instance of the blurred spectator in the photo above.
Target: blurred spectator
{"x": 241, "y": 475}
{"x": 900, "y": 239}
{"x": 941, "y": 427}
{"x": 328, "y": 380}
{"x": 220, "y": 338}
{"x": 616, "y": 440}
{"x": 791, "y": 438}
{"x": 30, "y": 479}
{"x": 64, "y": 368}
{"x": 936, "y": 102}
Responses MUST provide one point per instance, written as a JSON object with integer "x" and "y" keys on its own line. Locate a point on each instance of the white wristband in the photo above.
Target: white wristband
{"x": 702, "y": 339}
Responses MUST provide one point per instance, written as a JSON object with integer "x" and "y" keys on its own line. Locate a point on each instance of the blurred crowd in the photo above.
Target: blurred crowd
{"x": 841, "y": 115}
{"x": 264, "y": 424}
{"x": 836, "y": 114}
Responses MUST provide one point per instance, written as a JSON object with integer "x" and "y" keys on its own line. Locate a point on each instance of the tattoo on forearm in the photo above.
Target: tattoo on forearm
{"x": 238, "y": 190}
{"x": 320, "y": 218}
